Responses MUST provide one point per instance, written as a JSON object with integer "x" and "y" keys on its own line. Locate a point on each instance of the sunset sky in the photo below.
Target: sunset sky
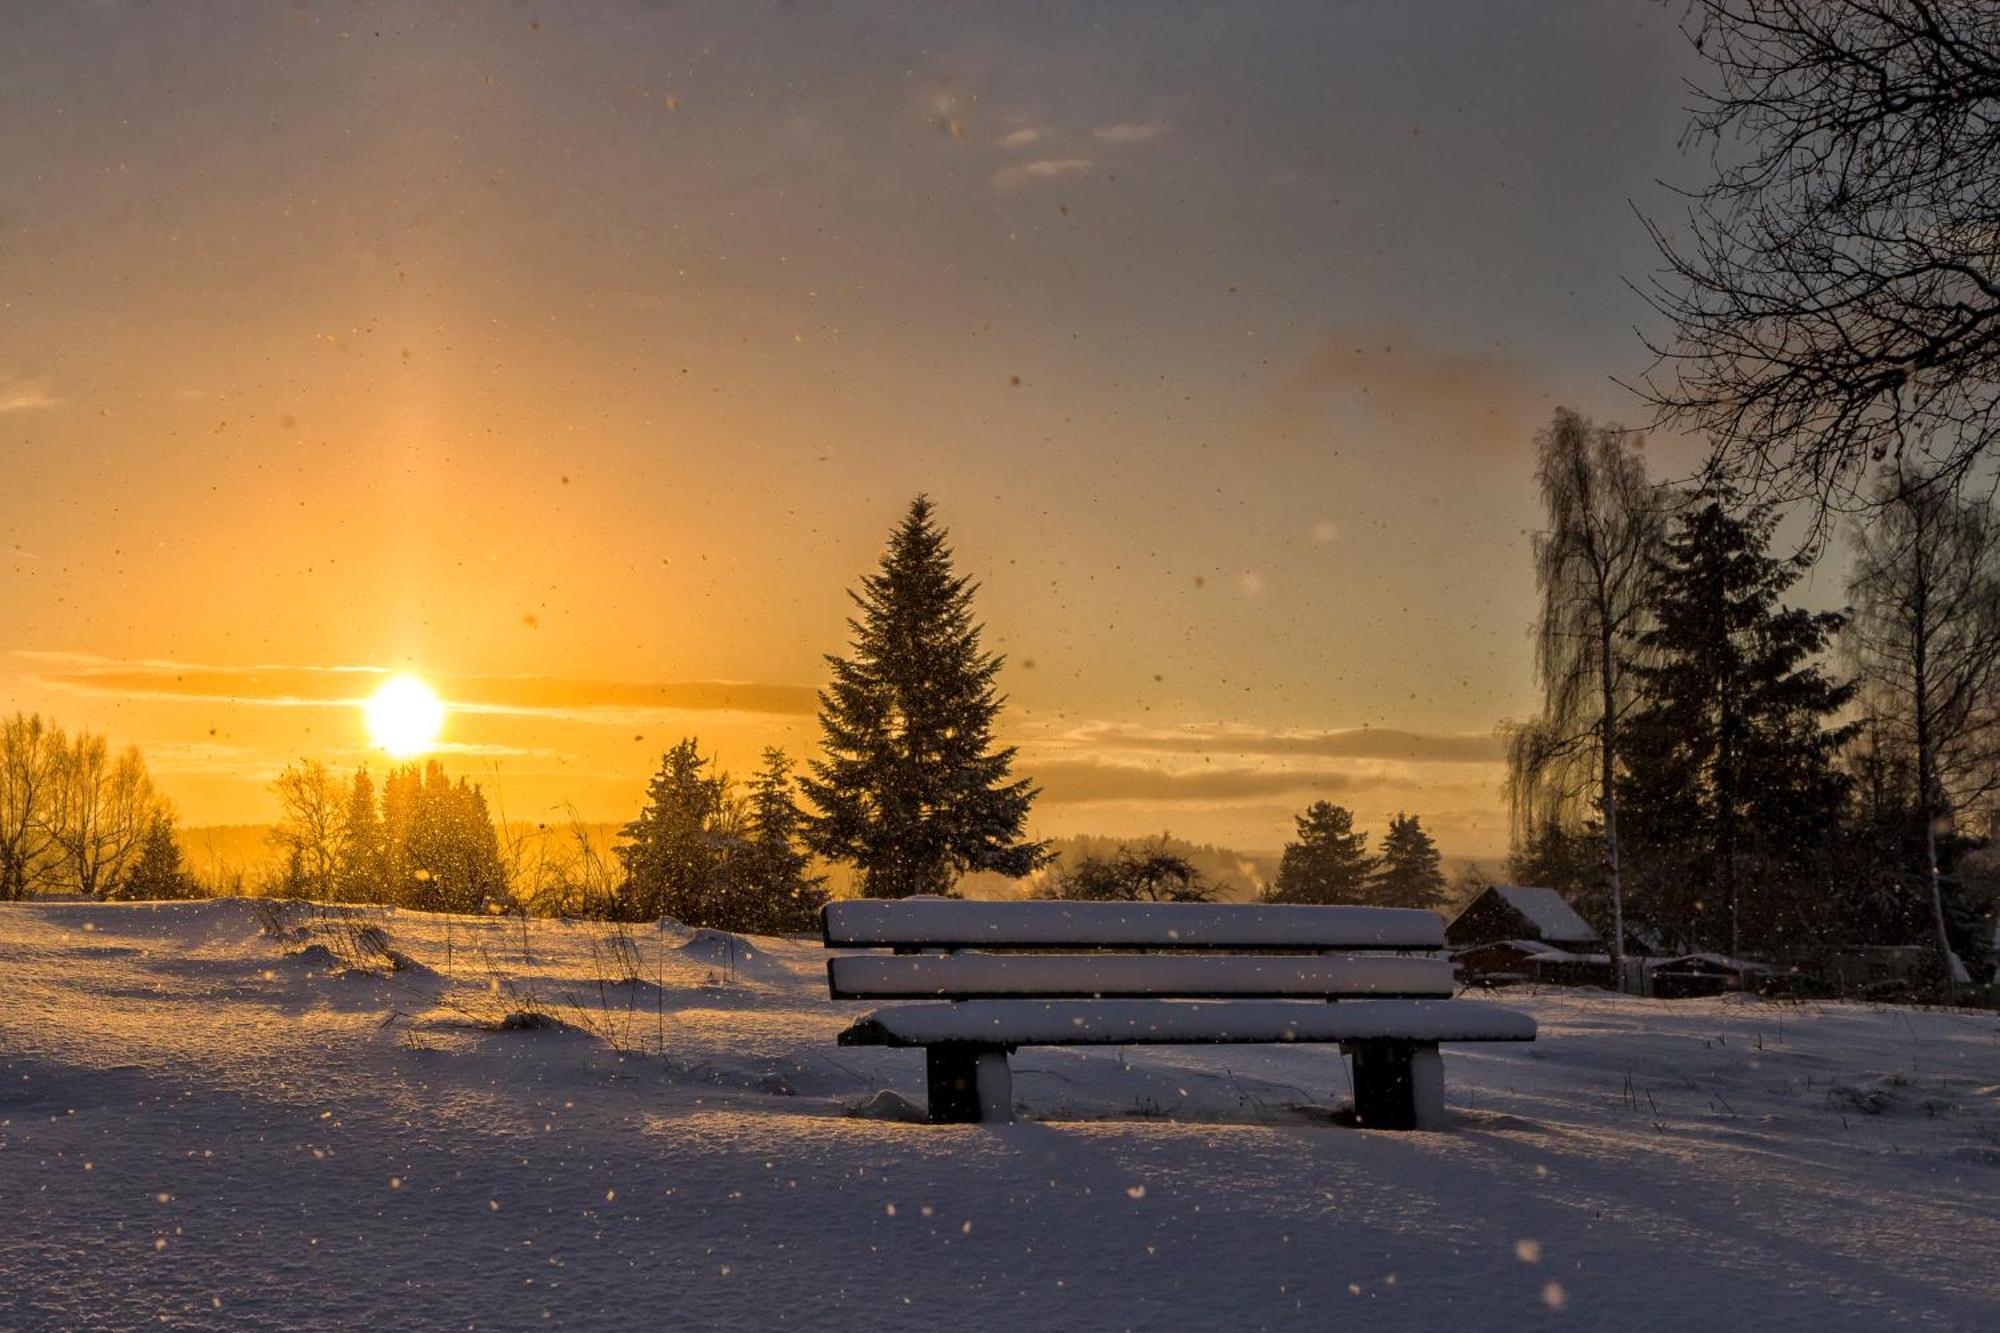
{"x": 578, "y": 358}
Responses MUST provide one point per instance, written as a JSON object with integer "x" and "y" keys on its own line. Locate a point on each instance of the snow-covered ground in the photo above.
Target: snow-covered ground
{"x": 204, "y": 1124}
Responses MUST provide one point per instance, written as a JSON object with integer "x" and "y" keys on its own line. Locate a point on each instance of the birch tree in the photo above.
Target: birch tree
{"x": 1925, "y": 637}
{"x": 1593, "y": 572}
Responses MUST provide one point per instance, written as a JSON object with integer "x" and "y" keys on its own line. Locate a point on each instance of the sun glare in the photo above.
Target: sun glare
{"x": 404, "y": 717}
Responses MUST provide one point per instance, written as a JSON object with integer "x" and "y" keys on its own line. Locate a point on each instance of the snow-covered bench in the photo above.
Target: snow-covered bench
{"x": 1098, "y": 974}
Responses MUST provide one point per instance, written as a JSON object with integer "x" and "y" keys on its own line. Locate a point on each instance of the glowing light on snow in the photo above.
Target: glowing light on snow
{"x": 404, "y": 717}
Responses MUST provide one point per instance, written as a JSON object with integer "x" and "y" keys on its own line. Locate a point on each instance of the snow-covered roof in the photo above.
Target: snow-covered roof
{"x": 1722, "y": 962}
{"x": 1548, "y": 913}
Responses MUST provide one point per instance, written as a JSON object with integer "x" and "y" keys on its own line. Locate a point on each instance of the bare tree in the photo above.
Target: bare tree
{"x": 1925, "y": 638}
{"x": 102, "y": 811}
{"x": 31, "y": 755}
{"x": 1593, "y": 569}
{"x": 314, "y": 804}
{"x": 1834, "y": 294}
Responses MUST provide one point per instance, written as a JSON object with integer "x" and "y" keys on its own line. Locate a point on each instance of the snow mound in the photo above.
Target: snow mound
{"x": 888, "y": 1105}
{"x": 316, "y": 957}
{"x": 728, "y": 953}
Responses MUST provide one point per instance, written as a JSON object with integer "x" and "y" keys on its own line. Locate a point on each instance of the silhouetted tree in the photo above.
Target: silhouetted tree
{"x": 311, "y": 802}
{"x": 1925, "y": 637}
{"x": 1729, "y": 762}
{"x": 361, "y": 867}
{"x": 676, "y": 852}
{"x": 442, "y": 850}
{"x": 911, "y": 788}
{"x": 1328, "y": 864}
{"x": 102, "y": 809}
{"x": 1410, "y": 874}
{"x": 778, "y": 893}
{"x": 1593, "y": 572}
{"x": 157, "y": 874}
{"x": 31, "y": 756}
{"x": 1834, "y": 290}
{"x": 1149, "y": 873}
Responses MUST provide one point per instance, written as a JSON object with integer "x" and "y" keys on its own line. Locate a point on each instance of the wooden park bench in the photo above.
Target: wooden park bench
{"x": 1105, "y": 974}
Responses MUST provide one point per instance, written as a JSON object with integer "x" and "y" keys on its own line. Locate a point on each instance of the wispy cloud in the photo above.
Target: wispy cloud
{"x": 1119, "y": 134}
{"x": 1463, "y": 400}
{"x": 1375, "y": 743}
{"x": 1041, "y": 169}
{"x": 1091, "y": 782}
{"x": 1021, "y": 138}
{"x": 297, "y": 686}
{"x": 26, "y": 395}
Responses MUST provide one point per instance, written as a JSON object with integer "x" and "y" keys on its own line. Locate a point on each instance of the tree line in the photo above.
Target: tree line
{"x": 77, "y": 817}
{"x": 1714, "y": 767}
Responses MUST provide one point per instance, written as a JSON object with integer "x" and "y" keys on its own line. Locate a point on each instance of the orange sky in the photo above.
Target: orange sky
{"x": 580, "y": 364}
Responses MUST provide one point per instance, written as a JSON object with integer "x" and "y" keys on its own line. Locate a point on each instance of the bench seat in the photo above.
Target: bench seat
{"x": 1011, "y": 1023}
{"x": 963, "y": 976}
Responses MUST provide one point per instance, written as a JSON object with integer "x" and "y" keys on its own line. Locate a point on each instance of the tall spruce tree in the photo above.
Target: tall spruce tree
{"x": 1411, "y": 873}
{"x": 1328, "y": 864}
{"x": 911, "y": 788}
{"x": 1730, "y": 776}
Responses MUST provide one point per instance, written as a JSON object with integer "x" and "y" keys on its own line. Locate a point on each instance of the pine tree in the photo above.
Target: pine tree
{"x": 361, "y": 869}
{"x": 911, "y": 788}
{"x": 779, "y": 894}
{"x": 1328, "y": 864}
{"x": 677, "y": 852}
{"x": 1411, "y": 874}
{"x": 157, "y": 873}
{"x": 1731, "y": 764}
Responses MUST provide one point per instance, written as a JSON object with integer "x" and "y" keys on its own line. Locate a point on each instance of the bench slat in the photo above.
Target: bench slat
{"x": 948, "y": 923}
{"x": 969, "y": 975}
{"x": 1178, "y": 1022}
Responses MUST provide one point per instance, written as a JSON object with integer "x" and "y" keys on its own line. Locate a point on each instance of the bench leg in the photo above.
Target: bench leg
{"x": 1398, "y": 1085}
{"x": 968, "y": 1084}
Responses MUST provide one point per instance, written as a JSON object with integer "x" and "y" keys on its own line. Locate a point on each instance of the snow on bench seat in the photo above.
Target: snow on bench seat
{"x": 1054, "y": 976}
{"x": 948, "y": 923}
{"x": 1010, "y": 1023}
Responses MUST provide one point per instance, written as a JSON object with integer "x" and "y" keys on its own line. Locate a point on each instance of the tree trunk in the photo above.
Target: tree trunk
{"x": 1927, "y": 784}
{"x": 1608, "y": 800}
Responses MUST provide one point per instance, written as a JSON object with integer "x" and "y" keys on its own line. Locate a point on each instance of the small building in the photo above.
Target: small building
{"x": 1512, "y": 962}
{"x": 1513, "y": 912}
{"x": 1697, "y": 974}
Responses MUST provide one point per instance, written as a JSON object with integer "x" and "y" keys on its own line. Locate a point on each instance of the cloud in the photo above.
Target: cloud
{"x": 1128, "y": 133}
{"x": 297, "y": 686}
{"x": 26, "y": 395}
{"x": 1089, "y": 782}
{"x": 1425, "y": 395}
{"x": 1041, "y": 169}
{"x": 1375, "y": 743}
{"x": 1020, "y": 138}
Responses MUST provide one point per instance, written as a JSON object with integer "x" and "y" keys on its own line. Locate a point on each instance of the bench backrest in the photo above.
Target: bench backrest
{"x": 953, "y": 949}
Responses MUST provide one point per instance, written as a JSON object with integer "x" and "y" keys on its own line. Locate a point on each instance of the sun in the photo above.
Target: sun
{"x": 404, "y": 717}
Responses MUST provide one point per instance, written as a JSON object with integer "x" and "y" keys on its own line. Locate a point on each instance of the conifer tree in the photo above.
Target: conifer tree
{"x": 361, "y": 870}
{"x": 157, "y": 873}
{"x": 677, "y": 851}
{"x": 442, "y": 851}
{"x": 911, "y": 788}
{"x": 1328, "y": 864}
{"x": 780, "y": 894}
{"x": 1410, "y": 874}
{"x": 1731, "y": 765}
